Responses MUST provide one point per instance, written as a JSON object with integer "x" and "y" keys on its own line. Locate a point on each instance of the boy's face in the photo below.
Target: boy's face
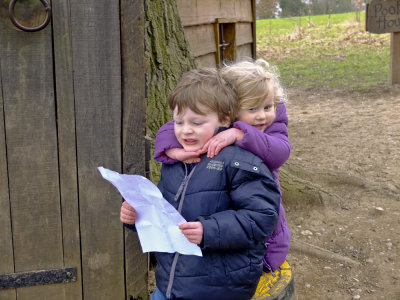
{"x": 193, "y": 130}
{"x": 260, "y": 117}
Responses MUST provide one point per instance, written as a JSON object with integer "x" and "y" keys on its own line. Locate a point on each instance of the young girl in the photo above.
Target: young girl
{"x": 213, "y": 196}
{"x": 261, "y": 128}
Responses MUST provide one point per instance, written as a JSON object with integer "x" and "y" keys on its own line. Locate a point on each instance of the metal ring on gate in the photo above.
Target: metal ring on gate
{"x": 30, "y": 29}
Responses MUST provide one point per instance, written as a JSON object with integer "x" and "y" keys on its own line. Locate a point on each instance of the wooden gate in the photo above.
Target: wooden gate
{"x": 72, "y": 99}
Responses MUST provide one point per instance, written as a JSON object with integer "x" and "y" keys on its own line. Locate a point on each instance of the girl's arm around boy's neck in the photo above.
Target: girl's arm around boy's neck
{"x": 272, "y": 145}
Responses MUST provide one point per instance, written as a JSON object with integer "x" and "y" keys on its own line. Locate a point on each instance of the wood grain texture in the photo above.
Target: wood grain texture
{"x": 395, "y": 58}
{"x": 383, "y": 16}
{"x": 201, "y": 39}
{"x": 207, "y": 60}
{"x": 244, "y": 51}
{"x": 30, "y": 126}
{"x": 244, "y": 34}
{"x": 6, "y": 244}
{"x": 95, "y": 34}
{"x": 134, "y": 132}
{"x": 196, "y": 12}
{"x": 67, "y": 143}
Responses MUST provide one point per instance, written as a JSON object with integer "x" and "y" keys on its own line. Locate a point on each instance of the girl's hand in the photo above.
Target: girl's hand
{"x": 193, "y": 231}
{"x": 128, "y": 214}
{"x": 184, "y": 156}
{"x": 221, "y": 140}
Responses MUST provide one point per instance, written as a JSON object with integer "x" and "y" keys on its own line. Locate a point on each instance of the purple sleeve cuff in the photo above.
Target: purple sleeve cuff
{"x": 165, "y": 139}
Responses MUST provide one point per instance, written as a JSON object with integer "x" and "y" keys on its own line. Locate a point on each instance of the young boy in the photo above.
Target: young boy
{"x": 231, "y": 201}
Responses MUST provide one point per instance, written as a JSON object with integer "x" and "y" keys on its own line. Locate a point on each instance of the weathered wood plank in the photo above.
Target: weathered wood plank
{"x": 244, "y": 33}
{"x": 207, "y": 60}
{"x": 30, "y": 125}
{"x": 67, "y": 143}
{"x": 134, "y": 131}
{"x": 95, "y": 31}
{"x": 383, "y": 16}
{"x": 6, "y": 250}
{"x": 201, "y": 39}
{"x": 244, "y": 51}
{"x": 195, "y": 12}
{"x": 395, "y": 58}
{"x": 244, "y": 10}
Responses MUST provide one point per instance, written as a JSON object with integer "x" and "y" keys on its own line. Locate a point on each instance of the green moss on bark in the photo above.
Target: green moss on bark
{"x": 169, "y": 56}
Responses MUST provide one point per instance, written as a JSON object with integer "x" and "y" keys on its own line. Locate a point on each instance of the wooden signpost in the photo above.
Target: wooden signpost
{"x": 384, "y": 17}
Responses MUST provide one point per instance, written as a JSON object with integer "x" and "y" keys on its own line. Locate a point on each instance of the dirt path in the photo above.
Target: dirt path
{"x": 349, "y": 144}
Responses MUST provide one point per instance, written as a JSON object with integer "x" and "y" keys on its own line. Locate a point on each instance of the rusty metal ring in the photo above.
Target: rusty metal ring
{"x": 30, "y": 29}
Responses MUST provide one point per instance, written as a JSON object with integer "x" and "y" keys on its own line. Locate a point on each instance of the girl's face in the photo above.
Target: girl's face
{"x": 193, "y": 130}
{"x": 259, "y": 117}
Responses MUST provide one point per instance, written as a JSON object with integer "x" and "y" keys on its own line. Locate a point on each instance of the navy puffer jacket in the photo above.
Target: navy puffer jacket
{"x": 235, "y": 197}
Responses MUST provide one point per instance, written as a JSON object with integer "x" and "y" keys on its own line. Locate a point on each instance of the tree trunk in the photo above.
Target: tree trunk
{"x": 169, "y": 57}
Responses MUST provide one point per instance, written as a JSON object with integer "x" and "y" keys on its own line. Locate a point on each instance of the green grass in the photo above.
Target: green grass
{"x": 341, "y": 55}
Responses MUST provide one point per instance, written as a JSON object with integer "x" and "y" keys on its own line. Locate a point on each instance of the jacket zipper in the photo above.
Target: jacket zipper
{"x": 180, "y": 189}
{"x": 179, "y": 194}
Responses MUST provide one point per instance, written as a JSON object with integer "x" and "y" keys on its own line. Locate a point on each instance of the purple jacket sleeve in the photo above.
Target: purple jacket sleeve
{"x": 272, "y": 145}
{"x": 165, "y": 139}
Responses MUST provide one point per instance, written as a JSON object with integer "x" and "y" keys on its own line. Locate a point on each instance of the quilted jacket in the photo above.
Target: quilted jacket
{"x": 235, "y": 197}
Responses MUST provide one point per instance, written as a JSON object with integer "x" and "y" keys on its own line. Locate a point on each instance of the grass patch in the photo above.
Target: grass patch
{"x": 317, "y": 52}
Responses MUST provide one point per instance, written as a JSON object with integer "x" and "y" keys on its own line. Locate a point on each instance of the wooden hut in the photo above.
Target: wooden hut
{"x": 219, "y": 30}
{"x": 72, "y": 98}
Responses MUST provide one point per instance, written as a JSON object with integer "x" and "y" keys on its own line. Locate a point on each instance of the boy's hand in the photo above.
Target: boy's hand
{"x": 193, "y": 231}
{"x": 128, "y": 214}
{"x": 221, "y": 140}
{"x": 184, "y": 156}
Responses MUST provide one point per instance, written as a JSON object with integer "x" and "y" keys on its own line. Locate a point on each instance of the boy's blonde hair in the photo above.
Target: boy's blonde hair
{"x": 253, "y": 81}
{"x": 205, "y": 88}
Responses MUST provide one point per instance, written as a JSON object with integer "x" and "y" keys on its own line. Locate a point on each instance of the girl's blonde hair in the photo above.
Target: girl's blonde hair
{"x": 253, "y": 80}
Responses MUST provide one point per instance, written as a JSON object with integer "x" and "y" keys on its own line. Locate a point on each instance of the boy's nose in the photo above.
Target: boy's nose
{"x": 187, "y": 129}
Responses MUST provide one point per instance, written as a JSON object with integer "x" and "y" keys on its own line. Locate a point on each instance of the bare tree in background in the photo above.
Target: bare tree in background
{"x": 266, "y": 9}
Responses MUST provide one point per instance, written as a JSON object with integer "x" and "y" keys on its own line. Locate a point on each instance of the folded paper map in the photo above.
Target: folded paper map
{"x": 158, "y": 221}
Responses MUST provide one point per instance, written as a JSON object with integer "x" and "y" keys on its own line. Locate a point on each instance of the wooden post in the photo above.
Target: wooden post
{"x": 395, "y": 58}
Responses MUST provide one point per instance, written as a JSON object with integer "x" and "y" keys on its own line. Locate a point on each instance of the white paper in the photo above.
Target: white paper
{"x": 158, "y": 221}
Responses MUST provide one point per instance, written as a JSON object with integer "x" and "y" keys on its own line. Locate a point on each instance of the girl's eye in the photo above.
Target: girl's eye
{"x": 197, "y": 123}
{"x": 267, "y": 107}
{"x": 252, "y": 109}
{"x": 178, "y": 122}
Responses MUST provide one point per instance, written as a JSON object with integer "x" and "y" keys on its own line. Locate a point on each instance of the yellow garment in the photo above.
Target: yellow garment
{"x": 272, "y": 284}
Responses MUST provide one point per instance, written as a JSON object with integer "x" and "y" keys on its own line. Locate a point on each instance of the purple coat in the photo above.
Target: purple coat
{"x": 273, "y": 147}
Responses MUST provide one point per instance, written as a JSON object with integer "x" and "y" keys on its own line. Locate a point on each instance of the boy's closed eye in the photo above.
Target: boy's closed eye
{"x": 197, "y": 123}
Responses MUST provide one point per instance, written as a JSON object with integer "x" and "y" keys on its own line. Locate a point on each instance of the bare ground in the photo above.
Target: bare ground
{"x": 348, "y": 144}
